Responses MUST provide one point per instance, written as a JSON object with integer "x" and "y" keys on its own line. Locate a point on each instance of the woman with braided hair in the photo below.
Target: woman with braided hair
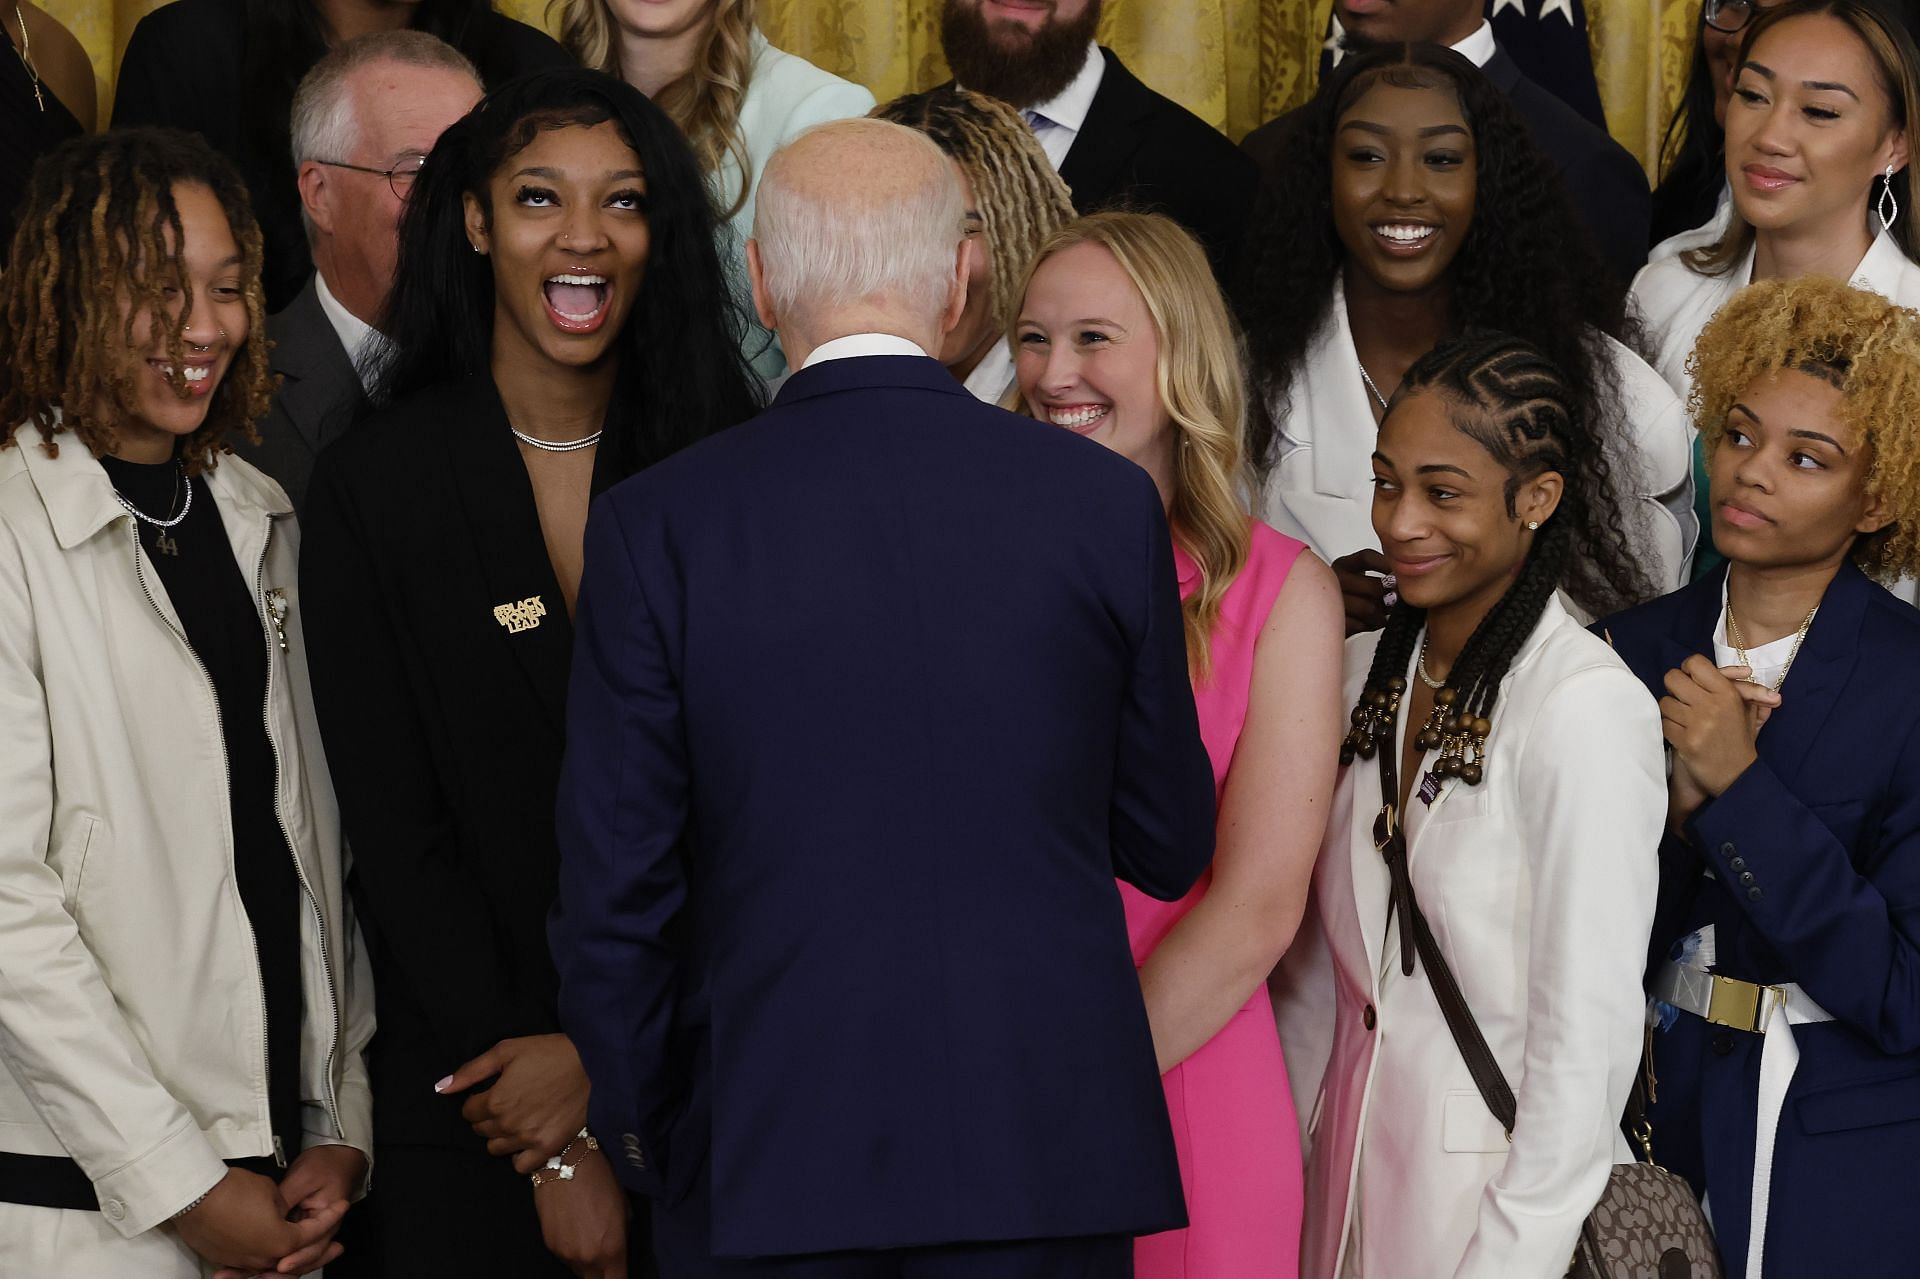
{"x": 1516, "y": 763}
{"x": 185, "y": 1013}
{"x": 1417, "y": 207}
{"x": 1015, "y": 201}
{"x": 1789, "y": 682}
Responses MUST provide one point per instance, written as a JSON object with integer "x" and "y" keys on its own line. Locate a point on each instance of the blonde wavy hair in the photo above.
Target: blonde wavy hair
{"x": 705, "y": 102}
{"x": 1202, "y": 386}
{"x": 1861, "y": 344}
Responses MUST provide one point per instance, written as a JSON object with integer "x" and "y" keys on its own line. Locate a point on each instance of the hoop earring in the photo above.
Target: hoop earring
{"x": 1887, "y": 197}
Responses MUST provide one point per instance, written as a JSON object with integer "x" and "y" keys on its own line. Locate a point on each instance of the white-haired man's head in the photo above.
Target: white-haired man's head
{"x": 859, "y": 226}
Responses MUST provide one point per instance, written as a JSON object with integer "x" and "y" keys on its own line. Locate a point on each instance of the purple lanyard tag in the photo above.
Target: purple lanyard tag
{"x": 1429, "y": 788}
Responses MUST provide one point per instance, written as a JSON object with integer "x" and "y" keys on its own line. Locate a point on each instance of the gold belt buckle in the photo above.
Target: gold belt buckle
{"x": 1740, "y": 1005}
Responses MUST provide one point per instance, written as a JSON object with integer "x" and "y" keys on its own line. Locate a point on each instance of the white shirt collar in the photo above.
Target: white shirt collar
{"x": 857, "y": 344}
{"x": 993, "y": 377}
{"x": 359, "y": 339}
{"x": 1477, "y": 48}
{"x": 1068, "y": 108}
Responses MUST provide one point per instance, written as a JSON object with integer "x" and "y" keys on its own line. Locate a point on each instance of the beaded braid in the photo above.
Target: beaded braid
{"x": 94, "y": 231}
{"x": 1513, "y": 401}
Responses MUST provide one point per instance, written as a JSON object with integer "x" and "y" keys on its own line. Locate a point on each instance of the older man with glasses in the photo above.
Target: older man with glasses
{"x": 364, "y": 119}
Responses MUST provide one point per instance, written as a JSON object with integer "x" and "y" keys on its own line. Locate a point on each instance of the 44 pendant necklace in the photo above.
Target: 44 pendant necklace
{"x": 162, "y": 543}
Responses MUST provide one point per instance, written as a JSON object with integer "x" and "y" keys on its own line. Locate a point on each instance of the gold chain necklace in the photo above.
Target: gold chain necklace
{"x": 1740, "y": 644}
{"x": 26, "y": 58}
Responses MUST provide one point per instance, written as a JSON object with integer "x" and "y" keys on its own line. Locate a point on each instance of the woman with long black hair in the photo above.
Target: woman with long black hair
{"x": 1508, "y": 766}
{"x": 559, "y": 322}
{"x": 1417, "y": 207}
{"x": 227, "y": 69}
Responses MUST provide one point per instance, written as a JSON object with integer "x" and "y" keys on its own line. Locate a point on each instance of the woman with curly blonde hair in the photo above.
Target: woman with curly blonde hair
{"x": 736, "y": 97}
{"x": 1122, "y": 337}
{"x": 182, "y": 1026}
{"x": 1014, "y": 202}
{"x": 1786, "y": 946}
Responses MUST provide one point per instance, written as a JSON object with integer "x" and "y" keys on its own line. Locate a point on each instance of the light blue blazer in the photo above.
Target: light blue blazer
{"x": 786, "y": 96}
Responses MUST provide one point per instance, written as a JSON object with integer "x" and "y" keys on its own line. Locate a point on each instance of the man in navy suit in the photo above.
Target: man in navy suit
{"x": 873, "y": 697}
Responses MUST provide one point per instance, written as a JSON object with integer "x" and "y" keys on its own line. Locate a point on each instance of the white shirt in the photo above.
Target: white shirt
{"x": 1768, "y": 662}
{"x": 361, "y": 341}
{"x": 993, "y": 377}
{"x": 1058, "y": 121}
{"x": 855, "y": 345}
{"x": 1477, "y": 48}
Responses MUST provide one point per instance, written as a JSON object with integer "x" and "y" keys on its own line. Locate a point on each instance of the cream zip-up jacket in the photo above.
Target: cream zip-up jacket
{"x": 132, "y": 1015}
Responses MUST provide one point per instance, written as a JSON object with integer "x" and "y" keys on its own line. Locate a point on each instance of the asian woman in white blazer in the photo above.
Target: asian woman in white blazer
{"x": 1414, "y": 207}
{"x": 1824, "y": 103}
{"x": 1532, "y": 840}
{"x": 737, "y": 98}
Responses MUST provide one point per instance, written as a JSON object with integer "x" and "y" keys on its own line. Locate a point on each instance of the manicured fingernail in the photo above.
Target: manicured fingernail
{"x": 443, "y": 1084}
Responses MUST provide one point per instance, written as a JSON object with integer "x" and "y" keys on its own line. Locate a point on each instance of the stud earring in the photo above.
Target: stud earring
{"x": 1887, "y": 198}
{"x": 1533, "y": 525}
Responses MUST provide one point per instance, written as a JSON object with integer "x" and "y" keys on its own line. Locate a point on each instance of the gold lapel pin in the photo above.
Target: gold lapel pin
{"x": 519, "y": 616}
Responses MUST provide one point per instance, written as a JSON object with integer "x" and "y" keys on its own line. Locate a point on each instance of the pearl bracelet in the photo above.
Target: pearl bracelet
{"x": 558, "y": 1165}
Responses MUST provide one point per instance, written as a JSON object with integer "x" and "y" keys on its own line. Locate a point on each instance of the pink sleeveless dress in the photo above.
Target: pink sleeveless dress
{"x": 1232, "y": 1110}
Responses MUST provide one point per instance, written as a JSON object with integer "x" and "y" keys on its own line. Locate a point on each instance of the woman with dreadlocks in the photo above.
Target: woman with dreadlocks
{"x": 1015, "y": 201}
{"x": 183, "y": 1022}
{"x": 1790, "y": 693}
{"x": 1508, "y": 767}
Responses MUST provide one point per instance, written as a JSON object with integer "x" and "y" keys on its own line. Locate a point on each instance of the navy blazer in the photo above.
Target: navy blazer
{"x": 872, "y": 698}
{"x": 1815, "y": 854}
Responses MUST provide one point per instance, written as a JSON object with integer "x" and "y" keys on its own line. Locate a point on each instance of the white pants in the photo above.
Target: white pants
{"x": 58, "y": 1243}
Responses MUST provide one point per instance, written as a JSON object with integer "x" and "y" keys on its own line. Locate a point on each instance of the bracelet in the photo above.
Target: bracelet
{"x": 558, "y": 1165}
{"x": 190, "y": 1207}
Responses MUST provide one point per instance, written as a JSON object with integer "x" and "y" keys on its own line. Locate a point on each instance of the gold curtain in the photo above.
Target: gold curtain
{"x": 1235, "y": 63}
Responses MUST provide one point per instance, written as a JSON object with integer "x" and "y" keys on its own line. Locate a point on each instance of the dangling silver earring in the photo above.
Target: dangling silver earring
{"x": 1887, "y": 198}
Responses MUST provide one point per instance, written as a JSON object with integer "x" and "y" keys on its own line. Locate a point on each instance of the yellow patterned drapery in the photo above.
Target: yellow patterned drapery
{"x": 1234, "y": 62}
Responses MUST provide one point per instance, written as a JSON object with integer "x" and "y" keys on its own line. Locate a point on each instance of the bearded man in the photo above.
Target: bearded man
{"x": 1115, "y": 142}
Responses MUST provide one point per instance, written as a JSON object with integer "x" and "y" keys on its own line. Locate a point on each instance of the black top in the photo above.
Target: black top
{"x": 439, "y": 647}
{"x": 195, "y": 564}
{"x": 187, "y": 65}
{"x": 1142, "y": 150}
{"x": 27, "y": 132}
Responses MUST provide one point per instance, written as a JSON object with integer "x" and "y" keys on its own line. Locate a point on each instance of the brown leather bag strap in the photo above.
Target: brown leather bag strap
{"x": 1391, "y": 838}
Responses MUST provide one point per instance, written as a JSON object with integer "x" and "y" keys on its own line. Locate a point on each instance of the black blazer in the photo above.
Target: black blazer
{"x": 318, "y": 397}
{"x": 907, "y": 675}
{"x": 440, "y": 647}
{"x": 185, "y": 66}
{"x": 1606, "y": 184}
{"x": 1141, "y": 150}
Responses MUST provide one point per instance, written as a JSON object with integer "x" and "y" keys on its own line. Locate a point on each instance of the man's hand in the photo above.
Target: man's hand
{"x": 1710, "y": 717}
{"x": 319, "y": 1183}
{"x": 1362, "y": 595}
{"x": 584, "y": 1221}
{"x": 242, "y": 1226}
{"x": 535, "y": 1106}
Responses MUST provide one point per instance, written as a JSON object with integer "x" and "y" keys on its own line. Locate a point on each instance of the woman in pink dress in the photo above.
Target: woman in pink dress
{"x": 1122, "y": 337}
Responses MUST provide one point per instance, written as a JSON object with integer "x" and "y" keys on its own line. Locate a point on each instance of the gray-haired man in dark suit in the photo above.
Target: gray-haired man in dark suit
{"x": 364, "y": 119}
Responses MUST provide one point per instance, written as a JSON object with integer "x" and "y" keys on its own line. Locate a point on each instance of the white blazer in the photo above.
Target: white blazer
{"x": 1539, "y": 885}
{"x": 1321, "y": 487}
{"x": 786, "y": 95}
{"x": 1677, "y": 301}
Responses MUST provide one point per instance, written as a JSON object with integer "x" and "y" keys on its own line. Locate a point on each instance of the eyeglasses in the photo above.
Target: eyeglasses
{"x": 400, "y": 177}
{"x": 1727, "y": 15}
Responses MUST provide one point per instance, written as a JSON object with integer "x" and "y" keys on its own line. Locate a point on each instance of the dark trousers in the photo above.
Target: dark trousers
{"x": 683, "y": 1250}
{"x": 449, "y": 1212}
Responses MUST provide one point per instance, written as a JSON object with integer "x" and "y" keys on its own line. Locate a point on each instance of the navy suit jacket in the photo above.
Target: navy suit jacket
{"x": 873, "y": 697}
{"x": 1815, "y": 854}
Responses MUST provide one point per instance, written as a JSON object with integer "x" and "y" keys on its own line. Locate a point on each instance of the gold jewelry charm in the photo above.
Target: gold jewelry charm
{"x": 521, "y": 615}
{"x": 558, "y": 1165}
{"x": 1739, "y": 645}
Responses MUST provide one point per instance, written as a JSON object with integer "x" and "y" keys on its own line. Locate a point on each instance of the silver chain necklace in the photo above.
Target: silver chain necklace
{"x": 1368, "y": 379}
{"x": 142, "y": 516}
{"x": 548, "y": 446}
